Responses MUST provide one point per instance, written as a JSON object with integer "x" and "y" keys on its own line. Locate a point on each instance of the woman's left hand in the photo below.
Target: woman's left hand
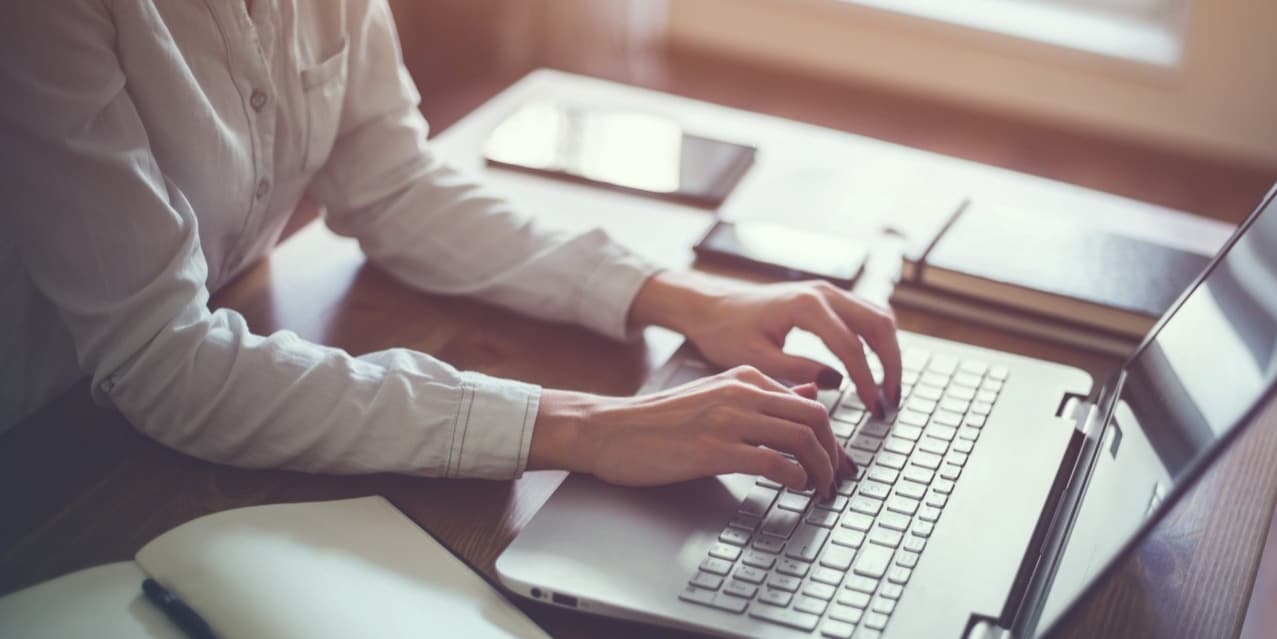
{"x": 736, "y": 324}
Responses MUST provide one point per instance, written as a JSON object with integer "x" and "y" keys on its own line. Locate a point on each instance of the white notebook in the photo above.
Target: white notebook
{"x": 349, "y": 568}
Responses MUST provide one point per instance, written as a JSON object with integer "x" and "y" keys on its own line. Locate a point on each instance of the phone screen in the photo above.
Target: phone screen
{"x": 632, "y": 151}
{"x": 785, "y": 251}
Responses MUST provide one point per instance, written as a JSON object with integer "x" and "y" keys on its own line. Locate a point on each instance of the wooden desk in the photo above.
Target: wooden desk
{"x": 79, "y": 487}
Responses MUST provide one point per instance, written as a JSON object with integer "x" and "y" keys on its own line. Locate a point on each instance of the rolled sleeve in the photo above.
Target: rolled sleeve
{"x": 493, "y": 430}
{"x": 609, "y": 290}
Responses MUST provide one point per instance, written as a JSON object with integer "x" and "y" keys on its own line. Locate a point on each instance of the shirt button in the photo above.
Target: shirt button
{"x": 258, "y": 99}
{"x": 263, "y": 187}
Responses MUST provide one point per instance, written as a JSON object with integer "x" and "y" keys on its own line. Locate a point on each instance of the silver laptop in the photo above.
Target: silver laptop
{"x": 1002, "y": 488}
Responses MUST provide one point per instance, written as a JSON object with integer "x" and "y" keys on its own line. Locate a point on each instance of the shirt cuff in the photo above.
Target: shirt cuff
{"x": 608, "y": 291}
{"x": 493, "y": 431}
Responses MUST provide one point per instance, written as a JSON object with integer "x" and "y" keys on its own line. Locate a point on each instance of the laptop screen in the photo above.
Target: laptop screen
{"x": 1199, "y": 373}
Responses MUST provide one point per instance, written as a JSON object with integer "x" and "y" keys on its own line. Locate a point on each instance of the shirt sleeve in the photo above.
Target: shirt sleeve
{"x": 434, "y": 228}
{"x": 113, "y": 244}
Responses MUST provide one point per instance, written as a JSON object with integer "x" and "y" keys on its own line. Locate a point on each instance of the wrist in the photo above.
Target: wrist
{"x": 565, "y": 436}
{"x": 677, "y": 301}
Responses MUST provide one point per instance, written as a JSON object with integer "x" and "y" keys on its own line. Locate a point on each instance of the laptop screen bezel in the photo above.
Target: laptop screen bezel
{"x": 1198, "y": 466}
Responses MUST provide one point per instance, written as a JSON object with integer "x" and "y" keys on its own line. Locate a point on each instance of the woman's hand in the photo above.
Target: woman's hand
{"x": 734, "y": 324}
{"x": 740, "y": 421}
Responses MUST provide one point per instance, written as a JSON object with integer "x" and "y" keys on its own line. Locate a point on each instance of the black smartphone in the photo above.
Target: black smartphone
{"x": 783, "y": 251}
{"x": 630, "y": 151}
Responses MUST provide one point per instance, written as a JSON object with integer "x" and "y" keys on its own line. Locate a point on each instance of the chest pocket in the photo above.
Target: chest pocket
{"x": 324, "y": 89}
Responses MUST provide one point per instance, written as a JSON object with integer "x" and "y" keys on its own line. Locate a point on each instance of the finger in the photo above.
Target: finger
{"x": 820, "y": 318}
{"x": 780, "y": 364}
{"x": 878, "y": 328}
{"x": 795, "y": 439}
{"x": 753, "y": 460}
{"x": 808, "y": 412}
{"x": 807, "y": 390}
{"x": 755, "y": 377}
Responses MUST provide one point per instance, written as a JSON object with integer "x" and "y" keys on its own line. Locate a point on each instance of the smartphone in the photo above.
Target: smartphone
{"x": 630, "y": 151}
{"x": 782, "y": 251}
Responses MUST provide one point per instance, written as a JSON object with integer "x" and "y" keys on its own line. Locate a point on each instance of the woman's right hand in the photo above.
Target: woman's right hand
{"x": 739, "y": 421}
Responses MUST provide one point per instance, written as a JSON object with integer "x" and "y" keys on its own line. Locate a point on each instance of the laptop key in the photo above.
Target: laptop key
{"x": 907, "y": 431}
{"x": 947, "y": 417}
{"x": 915, "y": 544}
{"x": 775, "y": 597}
{"x": 812, "y": 605}
{"x": 923, "y": 529}
{"x": 837, "y": 504}
{"x": 823, "y": 518}
{"x": 981, "y": 408}
{"x": 966, "y": 379}
{"x": 883, "y": 475}
{"x": 780, "y": 523}
{"x": 707, "y": 581}
{"x": 929, "y": 514}
{"x": 793, "y": 618}
{"x": 846, "y": 487}
{"x": 836, "y": 629}
{"x": 927, "y": 460}
{"x": 892, "y": 460}
{"x": 751, "y": 574}
{"x": 963, "y": 446}
{"x": 734, "y": 535}
{"x": 854, "y": 598}
{"x": 885, "y": 537}
{"x": 876, "y": 427}
{"x": 941, "y": 432}
{"x": 956, "y": 458}
{"x": 875, "y": 490}
{"x": 767, "y": 483}
{"x": 899, "y": 575}
{"x": 894, "y": 521}
{"x": 865, "y": 442}
{"x": 697, "y": 595}
{"x": 933, "y": 445}
{"x": 891, "y": 591}
{"x": 844, "y": 613}
{"x": 806, "y": 542}
{"x": 943, "y": 486}
{"x": 838, "y": 557}
{"x": 857, "y": 520}
{"x": 796, "y": 502}
{"x": 716, "y": 566}
{"x": 865, "y": 505}
{"x": 943, "y": 364}
{"x": 726, "y": 552}
{"x": 911, "y": 489}
{"x": 961, "y": 393}
{"x": 818, "y": 590}
{"x": 950, "y": 472}
{"x": 875, "y": 621}
{"x": 903, "y": 505}
{"x": 769, "y": 544}
{"x": 884, "y": 605}
{"x": 784, "y": 582}
{"x": 967, "y": 432}
{"x": 757, "y": 501}
{"x": 741, "y": 589}
{"x": 912, "y": 418}
{"x": 847, "y": 537}
{"x": 827, "y": 576}
{"x": 906, "y": 559}
{"x": 748, "y": 523}
{"x": 921, "y": 405}
{"x": 873, "y": 561}
{"x": 724, "y": 601}
{"x": 898, "y": 445}
{"x": 792, "y": 568}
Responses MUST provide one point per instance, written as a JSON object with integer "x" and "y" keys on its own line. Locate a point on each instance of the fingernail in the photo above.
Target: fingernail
{"x": 895, "y": 396}
{"x": 880, "y": 406}
{"x": 829, "y": 379}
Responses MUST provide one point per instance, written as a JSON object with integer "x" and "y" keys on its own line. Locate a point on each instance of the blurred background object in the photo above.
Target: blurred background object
{"x": 1166, "y": 101}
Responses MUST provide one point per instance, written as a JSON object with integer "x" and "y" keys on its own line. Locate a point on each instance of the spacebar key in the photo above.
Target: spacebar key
{"x": 872, "y": 561}
{"x": 784, "y": 617}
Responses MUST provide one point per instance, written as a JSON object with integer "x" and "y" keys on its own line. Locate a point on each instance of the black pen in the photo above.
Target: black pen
{"x": 177, "y": 611}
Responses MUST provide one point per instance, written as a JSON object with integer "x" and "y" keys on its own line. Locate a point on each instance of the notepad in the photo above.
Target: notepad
{"x": 349, "y": 568}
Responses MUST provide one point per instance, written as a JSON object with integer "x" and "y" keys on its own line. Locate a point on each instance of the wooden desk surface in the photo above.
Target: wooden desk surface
{"x": 79, "y": 487}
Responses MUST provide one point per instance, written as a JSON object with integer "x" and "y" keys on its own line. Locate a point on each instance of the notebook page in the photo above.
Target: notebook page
{"x": 337, "y": 569}
{"x": 103, "y": 602}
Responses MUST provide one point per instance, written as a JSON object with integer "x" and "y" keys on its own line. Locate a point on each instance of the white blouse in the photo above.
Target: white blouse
{"x": 153, "y": 149}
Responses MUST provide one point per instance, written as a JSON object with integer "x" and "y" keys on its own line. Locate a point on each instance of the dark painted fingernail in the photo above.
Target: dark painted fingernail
{"x": 895, "y": 396}
{"x": 829, "y": 379}
{"x": 880, "y": 406}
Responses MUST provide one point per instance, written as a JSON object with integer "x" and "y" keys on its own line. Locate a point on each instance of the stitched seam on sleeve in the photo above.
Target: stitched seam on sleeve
{"x": 447, "y": 467}
{"x": 521, "y": 462}
{"x": 464, "y": 429}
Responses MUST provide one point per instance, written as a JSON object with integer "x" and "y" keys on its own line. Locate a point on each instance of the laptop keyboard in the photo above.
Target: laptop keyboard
{"x": 786, "y": 558}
